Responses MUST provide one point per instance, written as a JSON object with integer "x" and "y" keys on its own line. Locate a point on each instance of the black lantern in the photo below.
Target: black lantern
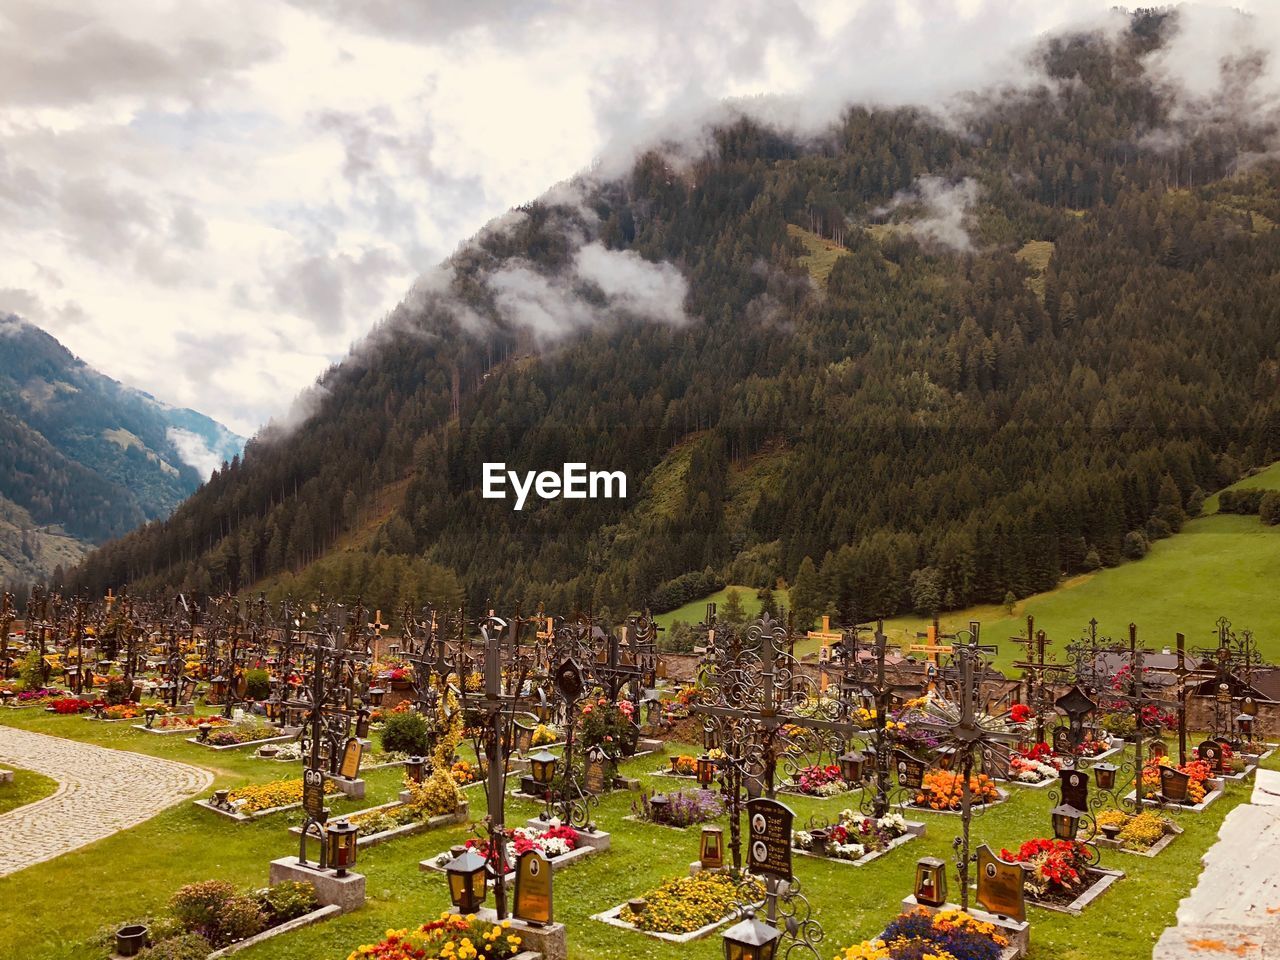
{"x": 931, "y": 882}
{"x": 1244, "y": 723}
{"x": 852, "y": 764}
{"x": 204, "y": 729}
{"x": 542, "y": 767}
{"x": 711, "y": 847}
{"x": 710, "y": 737}
{"x": 1066, "y": 821}
{"x": 375, "y": 696}
{"x": 416, "y": 768}
{"x": 150, "y": 714}
{"x": 749, "y": 939}
{"x": 100, "y": 710}
{"x": 218, "y": 687}
{"x": 706, "y": 771}
{"x": 341, "y": 846}
{"x": 1104, "y": 775}
{"x": 659, "y": 804}
{"x": 467, "y": 882}
{"x": 362, "y": 724}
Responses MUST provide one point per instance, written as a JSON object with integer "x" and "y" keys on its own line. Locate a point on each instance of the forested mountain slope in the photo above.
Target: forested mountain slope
{"x": 82, "y": 458}
{"x": 1030, "y": 331}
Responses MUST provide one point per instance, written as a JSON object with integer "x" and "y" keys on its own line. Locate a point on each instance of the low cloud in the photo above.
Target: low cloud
{"x": 194, "y": 451}
{"x": 937, "y": 211}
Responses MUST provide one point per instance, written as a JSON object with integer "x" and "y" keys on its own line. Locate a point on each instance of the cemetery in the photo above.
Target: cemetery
{"x": 333, "y": 784}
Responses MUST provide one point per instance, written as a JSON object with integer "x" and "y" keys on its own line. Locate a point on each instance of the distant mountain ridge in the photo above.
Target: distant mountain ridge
{"x": 84, "y": 458}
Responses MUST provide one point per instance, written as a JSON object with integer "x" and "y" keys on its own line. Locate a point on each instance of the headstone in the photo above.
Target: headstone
{"x": 351, "y": 757}
{"x": 910, "y": 770}
{"x": 1000, "y": 888}
{"x": 533, "y": 902}
{"x": 313, "y": 793}
{"x": 1075, "y": 788}
{"x": 1174, "y": 785}
{"x": 769, "y": 846}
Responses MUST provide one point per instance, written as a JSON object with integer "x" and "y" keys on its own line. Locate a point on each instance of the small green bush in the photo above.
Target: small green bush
{"x": 31, "y": 673}
{"x": 1269, "y": 508}
{"x": 199, "y": 905}
{"x": 288, "y": 900}
{"x": 239, "y": 919}
{"x": 257, "y": 685}
{"x": 116, "y": 692}
{"x": 406, "y": 733}
{"x": 188, "y": 946}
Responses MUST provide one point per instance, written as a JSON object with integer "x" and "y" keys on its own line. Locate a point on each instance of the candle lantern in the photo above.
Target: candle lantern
{"x": 749, "y": 939}
{"x": 659, "y": 804}
{"x": 341, "y": 846}
{"x": 1244, "y": 723}
{"x": 375, "y": 696}
{"x": 542, "y": 767}
{"x": 415, "y": 767}
{"x": 706, "y": 771}
{"x": 931, "y": 882}
{"x": 1066, "y": 821}
{"x": 204, "y": 729}
{"x": 1104, "y": 775}
{"x": 711, "y": 847}
{"x": 362, "y": 723}
{"x": 852, "y": 765}
{"x": 467, "y": 882}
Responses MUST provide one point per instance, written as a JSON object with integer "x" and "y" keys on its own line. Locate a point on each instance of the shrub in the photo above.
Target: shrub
{"x": 31, "y": 673}
{"x": 289, "y": 900}
{"x": 406, "y": 733}
{"x": 1135, "y": 545}
{"x": 116, "y": 692}
{"x": 188, "y": 946}
{"x": 257, "y": 685}
{"x": 1269, "y": 508}
{"x": 435, "y": 796}
{"x": 198, "y": 905}
{"x": 682, "y": 904}
{"x": 239, "y": 919}
{"x": 1240, "y": 501}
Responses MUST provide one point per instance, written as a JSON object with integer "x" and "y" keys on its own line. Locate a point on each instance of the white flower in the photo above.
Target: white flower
{"x": 555, "y": 846}
{"x": 849, "y": 851}
{"x": 802, "y": 840}
{"x": 893, "y": 821}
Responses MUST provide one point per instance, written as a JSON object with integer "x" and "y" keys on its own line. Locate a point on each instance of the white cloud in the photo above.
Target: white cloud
{"x": 212, "y": 201}
{"x": 938, "y": 212}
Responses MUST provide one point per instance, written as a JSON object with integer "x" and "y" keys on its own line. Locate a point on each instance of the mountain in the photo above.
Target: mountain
{"x": 911, "y": 362}
{"x": 84, "y": 458}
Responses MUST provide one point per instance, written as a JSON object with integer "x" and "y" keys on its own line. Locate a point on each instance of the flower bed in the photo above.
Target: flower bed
{"x": 683, "y": 908}
{"x": 944, "y": 935}
{"x": 69, "y": 705}
{"x": 682, "y": 765}
{"x": 1202, "y": 787}
{"x": 452, "y": 936}
{"x": 1061, "y": 877}
{"x": 261, "y": 798}
{"x": 942, "y": 792}
{"x": 856, "y": 839}
{"x": 818, "y": 780}
{"x": 178, "y": 721}
{"x": 35, "y": 698}
{"x": 1147, "y": 833}
{"x": 213, "y": 916}
{"x": 465, "y": 773}
{"x": 242, "y": 734}
{"x": 122, "y": 711}
{"x": 684, "y": 808}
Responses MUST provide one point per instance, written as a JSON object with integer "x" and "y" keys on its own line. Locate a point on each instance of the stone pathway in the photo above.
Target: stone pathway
{"x": 1234, "y": 910}
{"x": 100, "y": 792}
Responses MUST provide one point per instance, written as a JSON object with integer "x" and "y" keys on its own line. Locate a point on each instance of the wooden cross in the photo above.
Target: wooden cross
{"x": 825, "y": 637}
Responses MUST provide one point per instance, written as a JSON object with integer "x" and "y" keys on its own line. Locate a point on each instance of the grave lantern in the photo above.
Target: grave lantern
{"x": 99, "y": 710}
{"x": 375, "y": 696}
{"x": 204, "y": 729}
{"x": 1066, "y": 821}
{"x": 218, "y": 688}
{"x": 150, "y": 714}
{"x": 1244, "y": 723}
{"x": 946, "y": 757}
{"x": 749, "y": 939}
{"x": 659, "y": 804}
{"x": 931, "y": 882}
{"x": 852, "y": 765}
{"x": 706, "y": 771}
{"x": 362, "y": 723}
{"x": 542, "y": 767}
{"x": 1077, "y": 705}
{"x": 341, "y": 846}
{"x": 710, "y": 737}
{"x": 711, "y": 847}
{"x": 393, "y": 649}
{"x": 1104, "y": 775}
{"x": 415, "y": 767}
{"x": 467, "y": 882}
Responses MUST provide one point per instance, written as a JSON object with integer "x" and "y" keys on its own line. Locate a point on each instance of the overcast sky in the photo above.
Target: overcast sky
{"x": 212, "y": 200}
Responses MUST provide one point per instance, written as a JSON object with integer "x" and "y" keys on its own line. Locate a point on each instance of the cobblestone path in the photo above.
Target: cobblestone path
{"x": 100, "y": 792}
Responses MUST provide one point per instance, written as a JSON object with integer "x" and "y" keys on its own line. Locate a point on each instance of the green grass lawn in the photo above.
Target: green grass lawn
{"x": 64, "y": 901}
{"x": 27, "y": 786}
{"x": 694, "y": 611}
